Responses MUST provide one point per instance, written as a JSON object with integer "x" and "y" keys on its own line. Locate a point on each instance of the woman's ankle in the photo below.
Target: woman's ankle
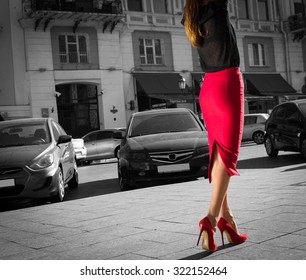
{"x": 213, "y": 221}
{"x": 229, "y": 217}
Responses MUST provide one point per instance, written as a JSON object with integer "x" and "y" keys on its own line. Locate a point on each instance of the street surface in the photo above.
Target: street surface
{"x": 97, "y": 221}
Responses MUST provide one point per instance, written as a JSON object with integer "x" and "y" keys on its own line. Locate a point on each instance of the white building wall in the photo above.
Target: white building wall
{"x": 110, "y": 59}
{"x": 42, "y": 89}
{"x": 38, "y": 50}
{"x": 296, "y": 64}
{"x": 241, "y": 52}
{"x": 20, "y": 84}
{"x": 182, "y": 52}
{"x": 39, "y": 65}
{"x": 280, "y": 57}
{"x": 126, "y": 46}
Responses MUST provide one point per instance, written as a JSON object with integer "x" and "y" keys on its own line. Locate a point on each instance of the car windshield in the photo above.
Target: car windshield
{"x": 303, "y": 108}
{"x": 23, "y": 134}
{"x": 162, "y": 123}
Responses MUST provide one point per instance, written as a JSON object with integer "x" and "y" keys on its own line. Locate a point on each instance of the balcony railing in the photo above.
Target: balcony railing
{"x": 86, "y": 6}
{"x": 297, "y": 22}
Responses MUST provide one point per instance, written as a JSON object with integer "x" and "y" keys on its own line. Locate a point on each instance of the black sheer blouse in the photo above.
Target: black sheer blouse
{"x": 219, "y": 48}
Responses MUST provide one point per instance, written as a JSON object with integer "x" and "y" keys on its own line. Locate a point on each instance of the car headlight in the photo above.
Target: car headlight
{"x": 44, "y": 162}
{"x": 137, "y": 155}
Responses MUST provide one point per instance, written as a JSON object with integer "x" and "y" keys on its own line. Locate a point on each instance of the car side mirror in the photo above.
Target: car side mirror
{"x": 64, "y": 139}
{"x": 118, "y": 135}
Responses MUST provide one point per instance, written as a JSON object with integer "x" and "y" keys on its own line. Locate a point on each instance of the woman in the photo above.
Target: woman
{"x": 208, "y": 28}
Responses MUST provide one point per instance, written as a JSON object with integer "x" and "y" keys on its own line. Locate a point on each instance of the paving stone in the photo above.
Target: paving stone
{"x": 161, "y": 222}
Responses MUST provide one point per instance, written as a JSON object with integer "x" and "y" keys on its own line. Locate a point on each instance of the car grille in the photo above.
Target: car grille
{"x": 10, "y": 171}
{"x": 171, "y": 156}
{"x": 11, "y": 191}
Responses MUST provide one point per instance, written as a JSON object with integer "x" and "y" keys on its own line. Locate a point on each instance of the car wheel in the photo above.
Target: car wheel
{"x": 122, "y": 183}
{"x": 116, "y": 153}
{"x": 60, "y": 187}
{"x": 258, "y": 137}
{"x": 74, "y": 182}
{"x": 269, "y": 147}
{"x": 303, "y": 147}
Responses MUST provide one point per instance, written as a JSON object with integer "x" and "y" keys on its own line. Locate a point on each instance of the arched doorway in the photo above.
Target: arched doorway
{"x": 78, "y": 110}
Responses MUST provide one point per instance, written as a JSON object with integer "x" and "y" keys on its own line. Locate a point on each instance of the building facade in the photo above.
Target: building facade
{"x": 91, "y": 63}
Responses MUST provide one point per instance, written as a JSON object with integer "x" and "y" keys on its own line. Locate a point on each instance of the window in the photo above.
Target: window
{"x": 91, "y": 137}
{"x": 178, "y": 6}
{"x": 263, "y": 10}
{"x": 292, "y": 115}
{"x": 279, "y": 113}
{"x": 250, "y": 120}
{"x": 150, "y": 51}
{"x": 298, "y": 7}
{"x": 103, "y": 135}
{"x": 160, "y": 6}
{"x": 56, "y": 132}
{"x": 243, "y": 9}
{"x": 257, "y": 56}
{"x": 135, "y": 5}
{"x": 73, "y": 49}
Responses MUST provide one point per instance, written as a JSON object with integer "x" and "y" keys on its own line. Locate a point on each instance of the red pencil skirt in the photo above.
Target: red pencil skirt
{"x": 222, "y": 104}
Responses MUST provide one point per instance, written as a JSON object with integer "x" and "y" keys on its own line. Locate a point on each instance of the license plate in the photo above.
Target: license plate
{"x": 7, "y": 183}
{"x": 173, "y": 168}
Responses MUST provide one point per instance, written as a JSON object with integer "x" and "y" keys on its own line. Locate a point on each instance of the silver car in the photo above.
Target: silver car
{"x": 254, "y": 127}
{"x": 37, "y": 160}
{"x": 100, "y": 144}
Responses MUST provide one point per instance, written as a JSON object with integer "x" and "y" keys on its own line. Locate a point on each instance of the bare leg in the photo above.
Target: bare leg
{"x": 220, "y": 182}
{"x": 226, "y": 213}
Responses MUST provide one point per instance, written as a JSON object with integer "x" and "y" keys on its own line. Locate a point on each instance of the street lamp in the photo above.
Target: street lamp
{"x": 201, "y": 81}
{"x": 182, "y": 85}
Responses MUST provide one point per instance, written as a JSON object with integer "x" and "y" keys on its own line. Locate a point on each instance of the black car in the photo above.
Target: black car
{"x": 161, "y": 145}
{"x": 286, "y": 128}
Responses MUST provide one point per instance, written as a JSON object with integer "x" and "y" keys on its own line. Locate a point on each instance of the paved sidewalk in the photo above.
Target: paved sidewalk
{"x": 161, "y": 222}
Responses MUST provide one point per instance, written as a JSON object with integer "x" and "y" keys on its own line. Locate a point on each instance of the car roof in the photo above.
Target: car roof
{"x": 162, "y": 111}
{"x": 106, "y": 129}
{"x": 256, "y": 114}
{"x": 299, "y": 101}
{"x": 26, "y": 121}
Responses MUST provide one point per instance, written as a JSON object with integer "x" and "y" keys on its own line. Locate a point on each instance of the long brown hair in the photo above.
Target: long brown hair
{"x": 191, "y": 21}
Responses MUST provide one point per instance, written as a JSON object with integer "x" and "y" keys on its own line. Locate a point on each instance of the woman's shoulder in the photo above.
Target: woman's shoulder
{"x": 211, "y": 8}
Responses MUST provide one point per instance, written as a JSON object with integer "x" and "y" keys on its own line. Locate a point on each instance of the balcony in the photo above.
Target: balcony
{"x": 297, "y": 25}
{"x": 46, "y": 12}
{"x": 297, "y": 22}
{"x": 86, "y": 6}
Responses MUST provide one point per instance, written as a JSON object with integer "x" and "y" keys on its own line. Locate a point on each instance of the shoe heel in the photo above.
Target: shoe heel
{"x": 222, "y": 237}
{"x": 207, "y": 232}
{"x": 201, "y": 231}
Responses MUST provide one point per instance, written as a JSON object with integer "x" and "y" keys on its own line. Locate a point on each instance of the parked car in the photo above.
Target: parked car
{"x": 254, "y": 127}
{"x": 161, "y": 145}
{"x": 79, "y": 149}
{"x": 286, "y": 128}
{"x": 101, "y": 144}
{"x": 37, "y": 159}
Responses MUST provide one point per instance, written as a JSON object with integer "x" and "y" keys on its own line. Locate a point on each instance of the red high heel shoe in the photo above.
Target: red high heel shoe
{"x": 207, "y": 231}
{"x": 232, "y": 236}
